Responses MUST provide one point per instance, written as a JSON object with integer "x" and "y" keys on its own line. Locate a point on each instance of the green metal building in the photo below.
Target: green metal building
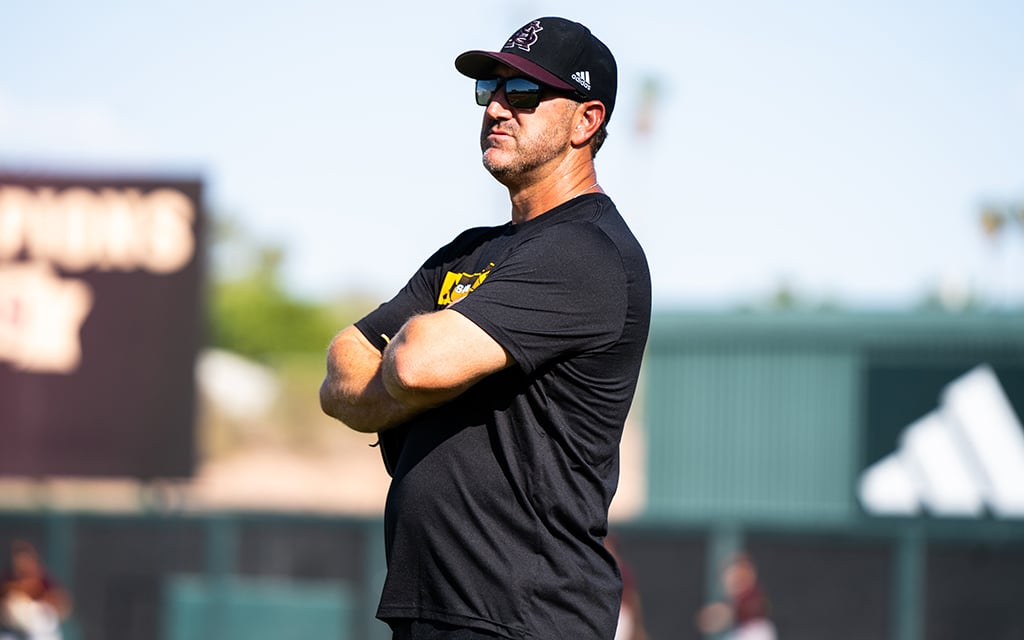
{"x": 758, "y": 428}
{"x": 771, "y": 418}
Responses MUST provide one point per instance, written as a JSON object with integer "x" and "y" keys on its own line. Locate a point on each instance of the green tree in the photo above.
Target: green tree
{"x": 251, "y": 313}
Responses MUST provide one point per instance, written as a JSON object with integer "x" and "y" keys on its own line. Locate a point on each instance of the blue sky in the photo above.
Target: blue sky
{"x": 843, "y": 149}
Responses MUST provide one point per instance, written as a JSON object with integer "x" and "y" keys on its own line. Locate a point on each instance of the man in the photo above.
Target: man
{"x": 747, "y": 614}
{"x": 32, "y": 604}
{"x": 500, "y": 376}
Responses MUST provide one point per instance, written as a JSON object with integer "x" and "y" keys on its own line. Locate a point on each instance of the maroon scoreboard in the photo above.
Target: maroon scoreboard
{"x": 100, "y": 322}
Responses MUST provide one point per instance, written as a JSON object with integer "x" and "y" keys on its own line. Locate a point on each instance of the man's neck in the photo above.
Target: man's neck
{"x": 534, "y": 198}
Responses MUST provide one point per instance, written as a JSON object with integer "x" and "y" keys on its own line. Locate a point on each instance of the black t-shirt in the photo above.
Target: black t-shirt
{"x": 499, "y": 499}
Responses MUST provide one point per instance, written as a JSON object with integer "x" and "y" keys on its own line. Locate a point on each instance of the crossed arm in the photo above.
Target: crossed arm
{"x": 434, "y": 358}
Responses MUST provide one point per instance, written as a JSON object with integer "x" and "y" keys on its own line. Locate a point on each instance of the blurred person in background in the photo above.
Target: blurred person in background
{"x": 746, "y": 615}
{"x": 32, "y": 604}
{"x": 631, "y": 615}
{"x": 500, "y": 377}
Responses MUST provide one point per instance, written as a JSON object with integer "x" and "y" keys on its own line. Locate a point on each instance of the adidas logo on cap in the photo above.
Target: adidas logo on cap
{"x": 583, "y": 78}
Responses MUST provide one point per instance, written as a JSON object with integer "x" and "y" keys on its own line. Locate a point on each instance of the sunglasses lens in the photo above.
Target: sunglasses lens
{"x": 485, "y": 91}
{"x": 520, "y": 92}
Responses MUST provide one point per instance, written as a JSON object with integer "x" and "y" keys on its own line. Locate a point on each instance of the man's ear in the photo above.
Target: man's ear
{"x": 589, "y": 117}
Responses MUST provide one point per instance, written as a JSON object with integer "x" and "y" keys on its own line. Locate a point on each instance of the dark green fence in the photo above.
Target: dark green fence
{"x": 222, "y": 576}
{"x": 174, "y": 576}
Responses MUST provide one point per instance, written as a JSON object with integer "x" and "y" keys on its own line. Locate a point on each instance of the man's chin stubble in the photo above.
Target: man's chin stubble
{"x": 501, "y": 172}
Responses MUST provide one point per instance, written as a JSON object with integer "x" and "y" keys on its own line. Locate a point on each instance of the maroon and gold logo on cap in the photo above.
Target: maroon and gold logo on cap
{"x": 526, "y": 37}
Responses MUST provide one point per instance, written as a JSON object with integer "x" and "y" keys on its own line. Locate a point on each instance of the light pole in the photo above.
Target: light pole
{"x": 998, "y": 221}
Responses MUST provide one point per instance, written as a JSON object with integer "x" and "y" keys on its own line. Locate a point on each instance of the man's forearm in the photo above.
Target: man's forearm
{"x": 434, "y": 358}
{"x": 410, "y": 389}
{"x": 353, "y": 391}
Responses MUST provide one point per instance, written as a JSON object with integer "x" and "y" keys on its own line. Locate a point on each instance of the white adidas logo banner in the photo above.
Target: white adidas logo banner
{"x": 583, "y": 78}
{"x": 965, "y": 456}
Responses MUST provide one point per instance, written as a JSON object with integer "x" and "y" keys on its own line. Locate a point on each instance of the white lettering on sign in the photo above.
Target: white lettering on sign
{"x": 41, "y": 317}
{"x": 110, "y": 229}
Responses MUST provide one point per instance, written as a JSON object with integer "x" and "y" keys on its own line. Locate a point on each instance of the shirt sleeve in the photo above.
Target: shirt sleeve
{"x": 420, "y": 294}
{"x": 559, "y": 293}
{"x": 417, "y": 296}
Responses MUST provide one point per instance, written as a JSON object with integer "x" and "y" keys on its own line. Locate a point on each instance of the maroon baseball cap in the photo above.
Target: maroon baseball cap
{"x": 556, "y": 52}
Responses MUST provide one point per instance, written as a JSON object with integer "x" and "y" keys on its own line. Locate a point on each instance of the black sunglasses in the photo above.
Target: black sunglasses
{"x": 521, "y": 93}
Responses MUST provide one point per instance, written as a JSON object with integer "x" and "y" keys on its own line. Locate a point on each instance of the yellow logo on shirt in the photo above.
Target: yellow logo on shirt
{"x": 457, "y": 286}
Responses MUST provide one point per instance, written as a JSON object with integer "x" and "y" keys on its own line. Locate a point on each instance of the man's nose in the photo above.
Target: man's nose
{"x": 498, "y": 108}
